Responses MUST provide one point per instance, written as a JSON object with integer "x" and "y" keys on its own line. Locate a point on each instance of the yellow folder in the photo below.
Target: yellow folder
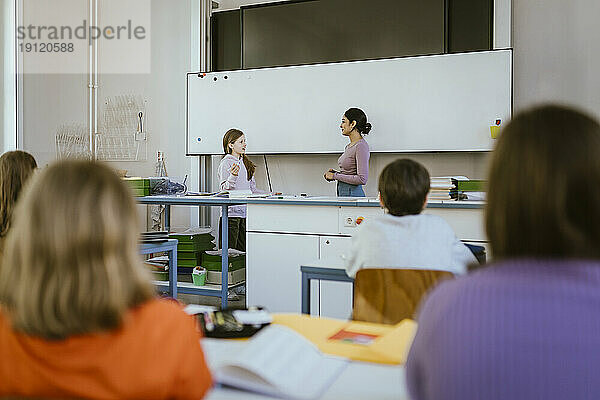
{"x": 390, "y": 347}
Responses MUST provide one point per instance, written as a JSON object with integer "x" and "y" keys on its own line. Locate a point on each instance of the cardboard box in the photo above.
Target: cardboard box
{"x": 233, "y": 277}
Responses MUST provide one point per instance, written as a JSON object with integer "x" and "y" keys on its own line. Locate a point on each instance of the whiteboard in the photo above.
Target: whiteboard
{"x": 416, "y": 104}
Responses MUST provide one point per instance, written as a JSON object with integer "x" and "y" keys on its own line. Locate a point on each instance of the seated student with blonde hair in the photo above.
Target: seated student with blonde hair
{"x": 16, "y": 167}
{"x": 403, "y": 237}
{"x": 78, "y": 314}
{"x": 528, "y": 326}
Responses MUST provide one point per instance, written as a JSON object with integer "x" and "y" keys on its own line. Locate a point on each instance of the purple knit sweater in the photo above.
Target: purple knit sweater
{"x": 520, "y": 329}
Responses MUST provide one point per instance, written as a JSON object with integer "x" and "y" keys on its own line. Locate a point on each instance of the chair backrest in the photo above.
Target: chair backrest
{"x": 387, "y": 296}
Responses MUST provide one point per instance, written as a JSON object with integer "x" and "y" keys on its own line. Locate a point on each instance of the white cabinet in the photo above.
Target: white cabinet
{"x": 292, "y": 219}
{"x": 332, "y": 248}
{"x": 335, "y": 298}
{"x": 273, "y": 269}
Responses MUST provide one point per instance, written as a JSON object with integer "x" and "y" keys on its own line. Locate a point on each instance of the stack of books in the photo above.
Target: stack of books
{"x": 211, "y": 260}
{"x": 192, "y": 243}
{"x": 442, "y": 187}
{"x": 159, "y": 269}
{"x": 456, "y": 188}
{"x": 139, "y": 186}
{"x": 473, "y": 189}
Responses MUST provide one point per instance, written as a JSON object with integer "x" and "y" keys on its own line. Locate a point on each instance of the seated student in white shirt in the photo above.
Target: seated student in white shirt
{"x": 403, "y": 237}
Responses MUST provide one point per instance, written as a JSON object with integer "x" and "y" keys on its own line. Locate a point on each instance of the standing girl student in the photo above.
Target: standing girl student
{"x": 236, "y": 172}
{"x": 354, "y": 163}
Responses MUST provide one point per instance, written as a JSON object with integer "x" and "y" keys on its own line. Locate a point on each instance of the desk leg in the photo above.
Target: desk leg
{"x": 168, "y": 218}
{"x": 173, "y": 273}
{"x": 305, "y": 294}
{"x": 224, "y": 256}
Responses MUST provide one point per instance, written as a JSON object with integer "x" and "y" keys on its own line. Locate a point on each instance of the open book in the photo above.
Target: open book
{"x": 278, "y": 361}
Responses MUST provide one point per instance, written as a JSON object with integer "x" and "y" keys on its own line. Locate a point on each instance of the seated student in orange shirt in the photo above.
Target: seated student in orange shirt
{"x": 78, "y": 315}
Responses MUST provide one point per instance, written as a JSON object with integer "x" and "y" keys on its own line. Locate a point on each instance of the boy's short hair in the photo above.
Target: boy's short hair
{"x": 403, "y": 187}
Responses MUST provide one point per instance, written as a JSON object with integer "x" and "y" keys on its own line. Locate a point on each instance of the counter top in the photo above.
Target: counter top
{"x": 294, "y": 200}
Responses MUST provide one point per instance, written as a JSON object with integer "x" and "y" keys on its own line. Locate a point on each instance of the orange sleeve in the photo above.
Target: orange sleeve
{"x": 193, "y": 378}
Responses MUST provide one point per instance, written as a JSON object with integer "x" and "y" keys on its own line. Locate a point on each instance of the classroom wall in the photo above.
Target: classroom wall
{"x": 51, "y": 100}
{"x": 557, "y": 53}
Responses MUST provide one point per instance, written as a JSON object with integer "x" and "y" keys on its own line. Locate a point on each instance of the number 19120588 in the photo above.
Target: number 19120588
{"x": 46, "y": 47}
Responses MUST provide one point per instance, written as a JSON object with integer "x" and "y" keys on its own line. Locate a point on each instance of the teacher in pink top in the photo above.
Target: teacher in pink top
{"x": 354, "y": 163}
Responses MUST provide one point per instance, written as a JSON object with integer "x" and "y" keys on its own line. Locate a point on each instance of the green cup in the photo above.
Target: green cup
{"x": 199, "y": 276}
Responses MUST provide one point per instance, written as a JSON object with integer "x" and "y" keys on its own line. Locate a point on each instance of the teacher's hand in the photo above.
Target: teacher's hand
{"x": 328, "y": 176}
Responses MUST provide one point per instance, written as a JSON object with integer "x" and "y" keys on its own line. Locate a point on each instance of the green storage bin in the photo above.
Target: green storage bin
{"x": 160, "y": 276}
{"x": 198, "y": 247}
{"x": 139, "y": 186}
{"x": 217, "y": 258}
{"x": 187, "y": 263}
{"x": 189, "y": 255}
{"x": 194, "y": 240}
{"x": 216, "y": 266}
{"x": 185, "y": 247}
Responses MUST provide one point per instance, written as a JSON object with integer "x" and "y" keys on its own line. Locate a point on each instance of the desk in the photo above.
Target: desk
{"x": 358, "y": 381}
{"x": 170, "y": 246}
{"x": 337, "y": 274}
{"x": 286, "y": 232}
{"x": 208, "y": 290}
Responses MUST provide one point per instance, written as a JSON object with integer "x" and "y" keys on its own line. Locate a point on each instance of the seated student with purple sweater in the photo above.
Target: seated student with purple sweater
{"x": 528, "y": 326}
{"x": 354, "y": 163}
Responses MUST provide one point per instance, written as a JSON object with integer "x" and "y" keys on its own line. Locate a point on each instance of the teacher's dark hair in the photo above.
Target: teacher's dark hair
{"x": 358, "y": 115}
{"x": 544, "y": 191}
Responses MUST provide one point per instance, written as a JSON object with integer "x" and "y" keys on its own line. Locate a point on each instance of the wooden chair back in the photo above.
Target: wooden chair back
{"x": 387, "y": 296}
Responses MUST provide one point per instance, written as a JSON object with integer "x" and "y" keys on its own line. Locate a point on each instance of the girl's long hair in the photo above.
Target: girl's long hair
{"x": 230, "y": 137}
{"x": 15, "y": 169}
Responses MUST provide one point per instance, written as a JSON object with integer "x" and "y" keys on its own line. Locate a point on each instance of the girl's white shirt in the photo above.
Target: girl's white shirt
{"x": 228, "y": 181}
